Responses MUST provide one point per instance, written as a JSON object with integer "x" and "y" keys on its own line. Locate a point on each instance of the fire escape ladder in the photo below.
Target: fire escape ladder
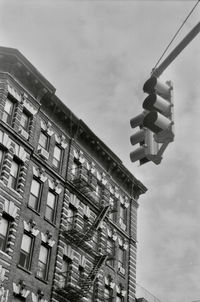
{"x": 92, "y": 275}
{"x": 101, "y": 217}
{"x": 90, "y": 232}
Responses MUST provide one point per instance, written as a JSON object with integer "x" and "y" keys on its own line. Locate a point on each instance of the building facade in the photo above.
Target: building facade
{"x": 68, "y": 206}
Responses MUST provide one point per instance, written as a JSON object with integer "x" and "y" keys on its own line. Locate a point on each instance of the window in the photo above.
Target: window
{"x": 85, "y": 223}
{"x": 119, "y": 299}
{"x": 35, "y": 193}
{"x": 57, "y": 155}
{"x": 98, "y": 190}
{"x": 71, "y": 218}
{"x": 43, "y": 262}
{"x": 50, "y": 207}
{"x": 44, "y": 140}
{"x": 91, "y": 295}
{"x": 4, "y": 230}
{"x": 122, "y": 214}
{"x": 111, "y": 251}
{"x": 95, "y": 240}
{"x": 14, "y": 171}
{"x": 25, "y": 120}
{"x": 66, "y": 267}
{"x": 75, "y": 170}
{"x": 112, "y": 208}
{"x": 121, "y": 257}
{"x": 26, "y": 251}
{"x": 81, "y": 271}
{"x": 8, "y": 111}
{"x": 107, "y": 294}
{"x": 1, "y": 159}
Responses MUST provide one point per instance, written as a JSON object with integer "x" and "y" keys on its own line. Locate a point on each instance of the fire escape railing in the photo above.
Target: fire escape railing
{"x": 85, "y": 182}
{"x": 81, "y": 239}
{"x": 75, "y": 294}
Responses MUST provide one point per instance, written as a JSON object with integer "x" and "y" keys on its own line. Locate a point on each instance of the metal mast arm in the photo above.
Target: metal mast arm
{"x": 177, "y": 50}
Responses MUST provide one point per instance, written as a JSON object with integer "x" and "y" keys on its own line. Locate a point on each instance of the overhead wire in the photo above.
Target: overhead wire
{"x": 149, "y": 293}
{"x": 177, "y": 32}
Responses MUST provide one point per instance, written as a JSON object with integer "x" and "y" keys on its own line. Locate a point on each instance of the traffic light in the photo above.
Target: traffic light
{"x": 148, "y": 147}
{"x": 156, "y": 122}
{"x": 159, "y": 104}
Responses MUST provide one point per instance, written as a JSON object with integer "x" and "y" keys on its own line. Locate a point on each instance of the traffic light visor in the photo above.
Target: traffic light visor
{"x": 155, "y": 102}
{"x": 153, "y": 85}
{"x": 156, "y": 122}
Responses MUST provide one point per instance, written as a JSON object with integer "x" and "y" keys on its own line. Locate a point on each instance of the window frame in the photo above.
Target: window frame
{"x": 113, "y": 203}
{"x": 75, "y": 169}
{"x": 61, "y": 157}
{"x": 109, "y": 297}
{"x": 121, "y": 261}
{"x": 2, "y": 159}
{"x": 71, "y": 218}
{"x": 5, "y": 238}
{"x": 47, "y": 264}
{"x": 96, "y": 240}
{"x": 9, "y": 117}
{"x": 55, "y": 206}
{"x": 123, "y": 214}
{"x": 65, "y": 279}
{"x": 29, "y": 255}
{"x": 111, "y": 262}
{"x": 10, "y": 183}
{"x": 42, "y": 132}
{"x": 98, "y": 189}
{"x": 37, "y": 208}
{"x": 119, "y": 297}
{"x": 27, "y": 113}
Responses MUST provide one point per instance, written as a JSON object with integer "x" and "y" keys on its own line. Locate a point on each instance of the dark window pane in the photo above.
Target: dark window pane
{"x": 23, "y": 260}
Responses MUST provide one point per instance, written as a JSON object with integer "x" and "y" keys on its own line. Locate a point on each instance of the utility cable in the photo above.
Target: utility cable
{"x": 176, "y": 35}
{"x": 149, "y": 293}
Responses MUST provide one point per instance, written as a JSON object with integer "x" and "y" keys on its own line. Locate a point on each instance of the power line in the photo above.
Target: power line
{"x": 175, "y": 35}
{"x": 148, "y": 292}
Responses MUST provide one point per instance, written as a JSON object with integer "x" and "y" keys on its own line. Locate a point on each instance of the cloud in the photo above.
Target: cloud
{"x": 98, "y": 55}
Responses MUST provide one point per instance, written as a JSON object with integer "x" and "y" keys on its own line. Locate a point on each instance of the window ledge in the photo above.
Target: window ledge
{"x": 36, "y": 212}
{"x": 42, "y": 280}
{"x": 56, "y": 169}
{"x": 52, "y": 223}
{"x": 24, "y": 269}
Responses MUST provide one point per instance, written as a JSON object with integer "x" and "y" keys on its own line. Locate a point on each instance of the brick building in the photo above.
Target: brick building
{"x": 68, "y": 206}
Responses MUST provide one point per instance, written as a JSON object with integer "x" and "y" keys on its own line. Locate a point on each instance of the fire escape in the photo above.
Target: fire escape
{"x": 82, "y": 239}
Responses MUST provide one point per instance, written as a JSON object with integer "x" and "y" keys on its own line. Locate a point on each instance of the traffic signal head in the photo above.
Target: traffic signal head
{"x": 159, "y": 105}
{"x": 148, "y": 147}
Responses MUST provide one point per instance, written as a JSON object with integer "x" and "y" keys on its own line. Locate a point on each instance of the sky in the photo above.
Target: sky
{"x": 98, "y": 54}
